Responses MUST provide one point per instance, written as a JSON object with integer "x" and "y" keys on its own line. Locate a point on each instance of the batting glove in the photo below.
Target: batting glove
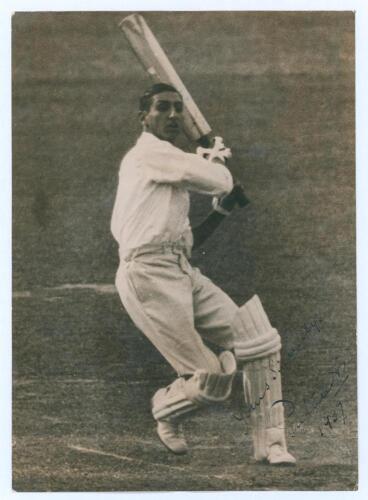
{"x": 225, "y": 204}
{"x": 217, "y": 152}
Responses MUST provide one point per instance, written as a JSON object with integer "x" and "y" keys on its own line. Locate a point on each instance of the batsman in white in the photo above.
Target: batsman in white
{"x": 171, "y": 302}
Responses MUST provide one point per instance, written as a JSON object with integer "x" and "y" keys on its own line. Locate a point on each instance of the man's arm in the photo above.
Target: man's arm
{"x": 166, "y": 164}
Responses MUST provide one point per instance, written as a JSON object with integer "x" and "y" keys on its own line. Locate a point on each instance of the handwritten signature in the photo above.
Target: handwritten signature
{"x": 309, "y": 329}
{"x": 311, "y": 404}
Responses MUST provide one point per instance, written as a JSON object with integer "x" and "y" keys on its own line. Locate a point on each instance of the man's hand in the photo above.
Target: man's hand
{"x": 218, "y": 152}
{"x": 227, "y": 203}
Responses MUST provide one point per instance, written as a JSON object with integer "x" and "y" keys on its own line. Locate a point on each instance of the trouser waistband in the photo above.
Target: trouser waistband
{"x": 175, "y": 248}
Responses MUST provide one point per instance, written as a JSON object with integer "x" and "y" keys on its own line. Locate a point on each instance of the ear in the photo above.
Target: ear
{"x": 142, "y": 116}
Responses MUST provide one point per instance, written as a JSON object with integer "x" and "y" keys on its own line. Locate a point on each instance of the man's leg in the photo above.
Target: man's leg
{"x": 257, "y": 349}
{"x": 214, "y": 311}
{"x": 157, "y": 295}
{"x": 187, "y": 394}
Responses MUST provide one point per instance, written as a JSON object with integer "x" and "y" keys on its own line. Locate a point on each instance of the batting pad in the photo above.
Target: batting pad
{"x": 254, "y": 336}
{"x": 262, "y": 391}
{"x": 183, "y": 396}
{"x": 257, "y": 348}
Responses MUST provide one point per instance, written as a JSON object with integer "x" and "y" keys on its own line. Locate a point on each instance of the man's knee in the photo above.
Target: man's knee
{"x": 254, "y": 336}
{"x": 213, "y": 365}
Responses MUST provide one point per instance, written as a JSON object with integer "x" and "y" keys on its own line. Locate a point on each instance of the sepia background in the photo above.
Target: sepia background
{"x": 279, "y": 87}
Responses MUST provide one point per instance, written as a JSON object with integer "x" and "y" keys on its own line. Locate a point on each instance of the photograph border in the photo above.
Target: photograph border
{"x": 6, "y": 10}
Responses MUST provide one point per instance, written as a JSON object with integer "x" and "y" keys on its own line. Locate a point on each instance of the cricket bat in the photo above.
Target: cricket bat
{"x": 154, "y": 60}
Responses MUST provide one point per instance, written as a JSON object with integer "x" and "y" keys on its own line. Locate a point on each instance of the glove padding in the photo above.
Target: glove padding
{"x": 227, "y": 203}
{"x": 217, "y": 152}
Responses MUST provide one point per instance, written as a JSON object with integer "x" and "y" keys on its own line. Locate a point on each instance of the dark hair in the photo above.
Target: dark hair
{"x": 145, "y": 100}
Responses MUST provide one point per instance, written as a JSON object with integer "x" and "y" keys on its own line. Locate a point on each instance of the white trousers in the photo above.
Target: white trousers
{"x": 176, "y": 307}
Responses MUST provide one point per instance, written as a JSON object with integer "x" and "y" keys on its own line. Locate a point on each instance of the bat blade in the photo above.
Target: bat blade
{"x": 154, "y": 60}
{"x": 156, "y": 63}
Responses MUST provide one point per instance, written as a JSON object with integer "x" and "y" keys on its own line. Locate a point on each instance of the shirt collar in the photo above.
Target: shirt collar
{"x": 148, "y": 138}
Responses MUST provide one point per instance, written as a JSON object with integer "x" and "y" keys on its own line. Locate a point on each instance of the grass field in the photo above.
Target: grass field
{"x": 280, "y": 88}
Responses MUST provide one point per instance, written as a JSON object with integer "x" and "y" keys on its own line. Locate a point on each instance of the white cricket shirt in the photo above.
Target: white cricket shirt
{"x": 152, "y": 200}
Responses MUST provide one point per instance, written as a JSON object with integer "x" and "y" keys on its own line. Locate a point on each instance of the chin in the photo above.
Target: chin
{"x": 170, "y": 137}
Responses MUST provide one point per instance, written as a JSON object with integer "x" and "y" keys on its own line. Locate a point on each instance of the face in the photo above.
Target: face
{"x": 164, "y": 118}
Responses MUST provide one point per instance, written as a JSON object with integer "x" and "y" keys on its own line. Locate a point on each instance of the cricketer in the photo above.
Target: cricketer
{"x": 171, "y": 302}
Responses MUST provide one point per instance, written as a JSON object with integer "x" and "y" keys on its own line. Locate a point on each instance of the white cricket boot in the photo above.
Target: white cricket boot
{"x": 277, "y": 453}
{"x": 171, "y": 436}
{"x": 279, "y": 456}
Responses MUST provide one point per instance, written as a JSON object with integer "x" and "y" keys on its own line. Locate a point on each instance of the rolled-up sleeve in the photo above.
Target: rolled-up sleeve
{"x": 167, "y": 164}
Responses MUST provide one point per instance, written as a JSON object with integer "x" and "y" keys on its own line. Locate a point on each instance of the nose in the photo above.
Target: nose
{"x": 173, "y": 113}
